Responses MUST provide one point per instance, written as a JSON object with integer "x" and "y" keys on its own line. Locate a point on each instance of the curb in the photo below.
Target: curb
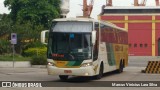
{"x": 19, "y": 64}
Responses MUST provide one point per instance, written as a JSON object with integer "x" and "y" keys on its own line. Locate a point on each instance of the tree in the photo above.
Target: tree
{"x": 26, "y": 34}
{"x": 35, "y": 11}
{"x": 5, "y": 24}
{"x": 27, "y": 18}
{"x": 1, "y": 16}
{"x": 5, "y": 29}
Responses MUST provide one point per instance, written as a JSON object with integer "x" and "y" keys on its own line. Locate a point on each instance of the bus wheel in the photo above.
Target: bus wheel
{"x": 121, "y": 66}
{"x": 99, "y": 76}
{"x": 63, "y": 77}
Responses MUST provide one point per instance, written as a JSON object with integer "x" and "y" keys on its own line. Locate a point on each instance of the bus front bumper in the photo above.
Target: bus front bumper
{"x": 82, "y": 71}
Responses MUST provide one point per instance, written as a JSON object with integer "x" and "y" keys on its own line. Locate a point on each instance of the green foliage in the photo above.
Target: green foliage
{"x": 26, "y": 33}
{"x": 5, "y": 25}
{"x": 27, "y": 18}
{"x": 41, "y": 51}
{"x": 34, "y": 45}
{"x": 39, "y": 60}
{"x": 1, "y": 16}
{"x": 5, "y": 47}
{"x": 36, "y": 11}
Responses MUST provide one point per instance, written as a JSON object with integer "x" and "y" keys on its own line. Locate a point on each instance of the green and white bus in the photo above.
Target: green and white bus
{"x": 85, "y": 47}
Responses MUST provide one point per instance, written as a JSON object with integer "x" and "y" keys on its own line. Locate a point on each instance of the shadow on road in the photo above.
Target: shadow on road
{"x": 84, "y": 79}
{"x": 110, "y": 73}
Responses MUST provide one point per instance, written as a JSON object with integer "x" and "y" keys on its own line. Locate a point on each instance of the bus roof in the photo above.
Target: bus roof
{"x": 91, "y": 20}
{"x": 76, "y": 19}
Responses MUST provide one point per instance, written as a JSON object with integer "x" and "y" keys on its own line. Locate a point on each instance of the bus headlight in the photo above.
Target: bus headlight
{"x": 51, "y": 64}
{"x": 87, "y": 64}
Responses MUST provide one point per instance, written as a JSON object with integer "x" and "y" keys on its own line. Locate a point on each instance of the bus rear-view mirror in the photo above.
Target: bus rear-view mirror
{"x": 43, "y": 36}
{"x": 93, "y": 37}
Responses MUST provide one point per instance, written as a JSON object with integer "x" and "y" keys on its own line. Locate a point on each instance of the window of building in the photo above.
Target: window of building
{"x": 145, "y": 45}
{"x": 135, "y": 45}
{"x": 130, "y": 45}
{"x": 141, "y": 45}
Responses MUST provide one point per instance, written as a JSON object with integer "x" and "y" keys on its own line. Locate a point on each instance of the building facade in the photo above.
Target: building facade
{"x": 143, "y": 25}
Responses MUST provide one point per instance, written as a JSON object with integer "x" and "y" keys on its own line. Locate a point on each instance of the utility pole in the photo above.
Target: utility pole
{"x": 109, "y": 3}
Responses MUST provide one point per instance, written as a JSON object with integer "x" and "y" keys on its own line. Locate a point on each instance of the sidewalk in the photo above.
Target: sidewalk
{"x": 141, "y": 61}
{"x": 21, "y": 70}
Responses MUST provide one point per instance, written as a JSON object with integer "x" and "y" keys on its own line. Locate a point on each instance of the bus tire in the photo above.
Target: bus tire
{"x": 99, "y": 76}
{"x": 63, "y": 77}
{"x": 121, "y": 66}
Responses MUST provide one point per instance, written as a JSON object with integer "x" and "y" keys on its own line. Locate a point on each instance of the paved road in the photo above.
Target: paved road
{"x": 131, "y": 73}
{"x": 40, "y": 74}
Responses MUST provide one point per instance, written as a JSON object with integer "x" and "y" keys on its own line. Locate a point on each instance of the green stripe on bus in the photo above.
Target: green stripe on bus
{"x": 74, "y": 63}
{"x": 71, "y": 63}
{"x": 110, "y": 54}
{"x": 78, "y": 63}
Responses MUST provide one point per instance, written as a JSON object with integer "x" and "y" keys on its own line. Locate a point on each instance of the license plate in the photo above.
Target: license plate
{"x": 67, "y": 71}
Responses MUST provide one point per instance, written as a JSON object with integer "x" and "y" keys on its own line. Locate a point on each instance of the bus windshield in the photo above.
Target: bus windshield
{"x": 69, "y": 45}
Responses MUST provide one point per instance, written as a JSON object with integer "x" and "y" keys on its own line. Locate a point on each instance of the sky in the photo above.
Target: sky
{"x": 76, "y": 6}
